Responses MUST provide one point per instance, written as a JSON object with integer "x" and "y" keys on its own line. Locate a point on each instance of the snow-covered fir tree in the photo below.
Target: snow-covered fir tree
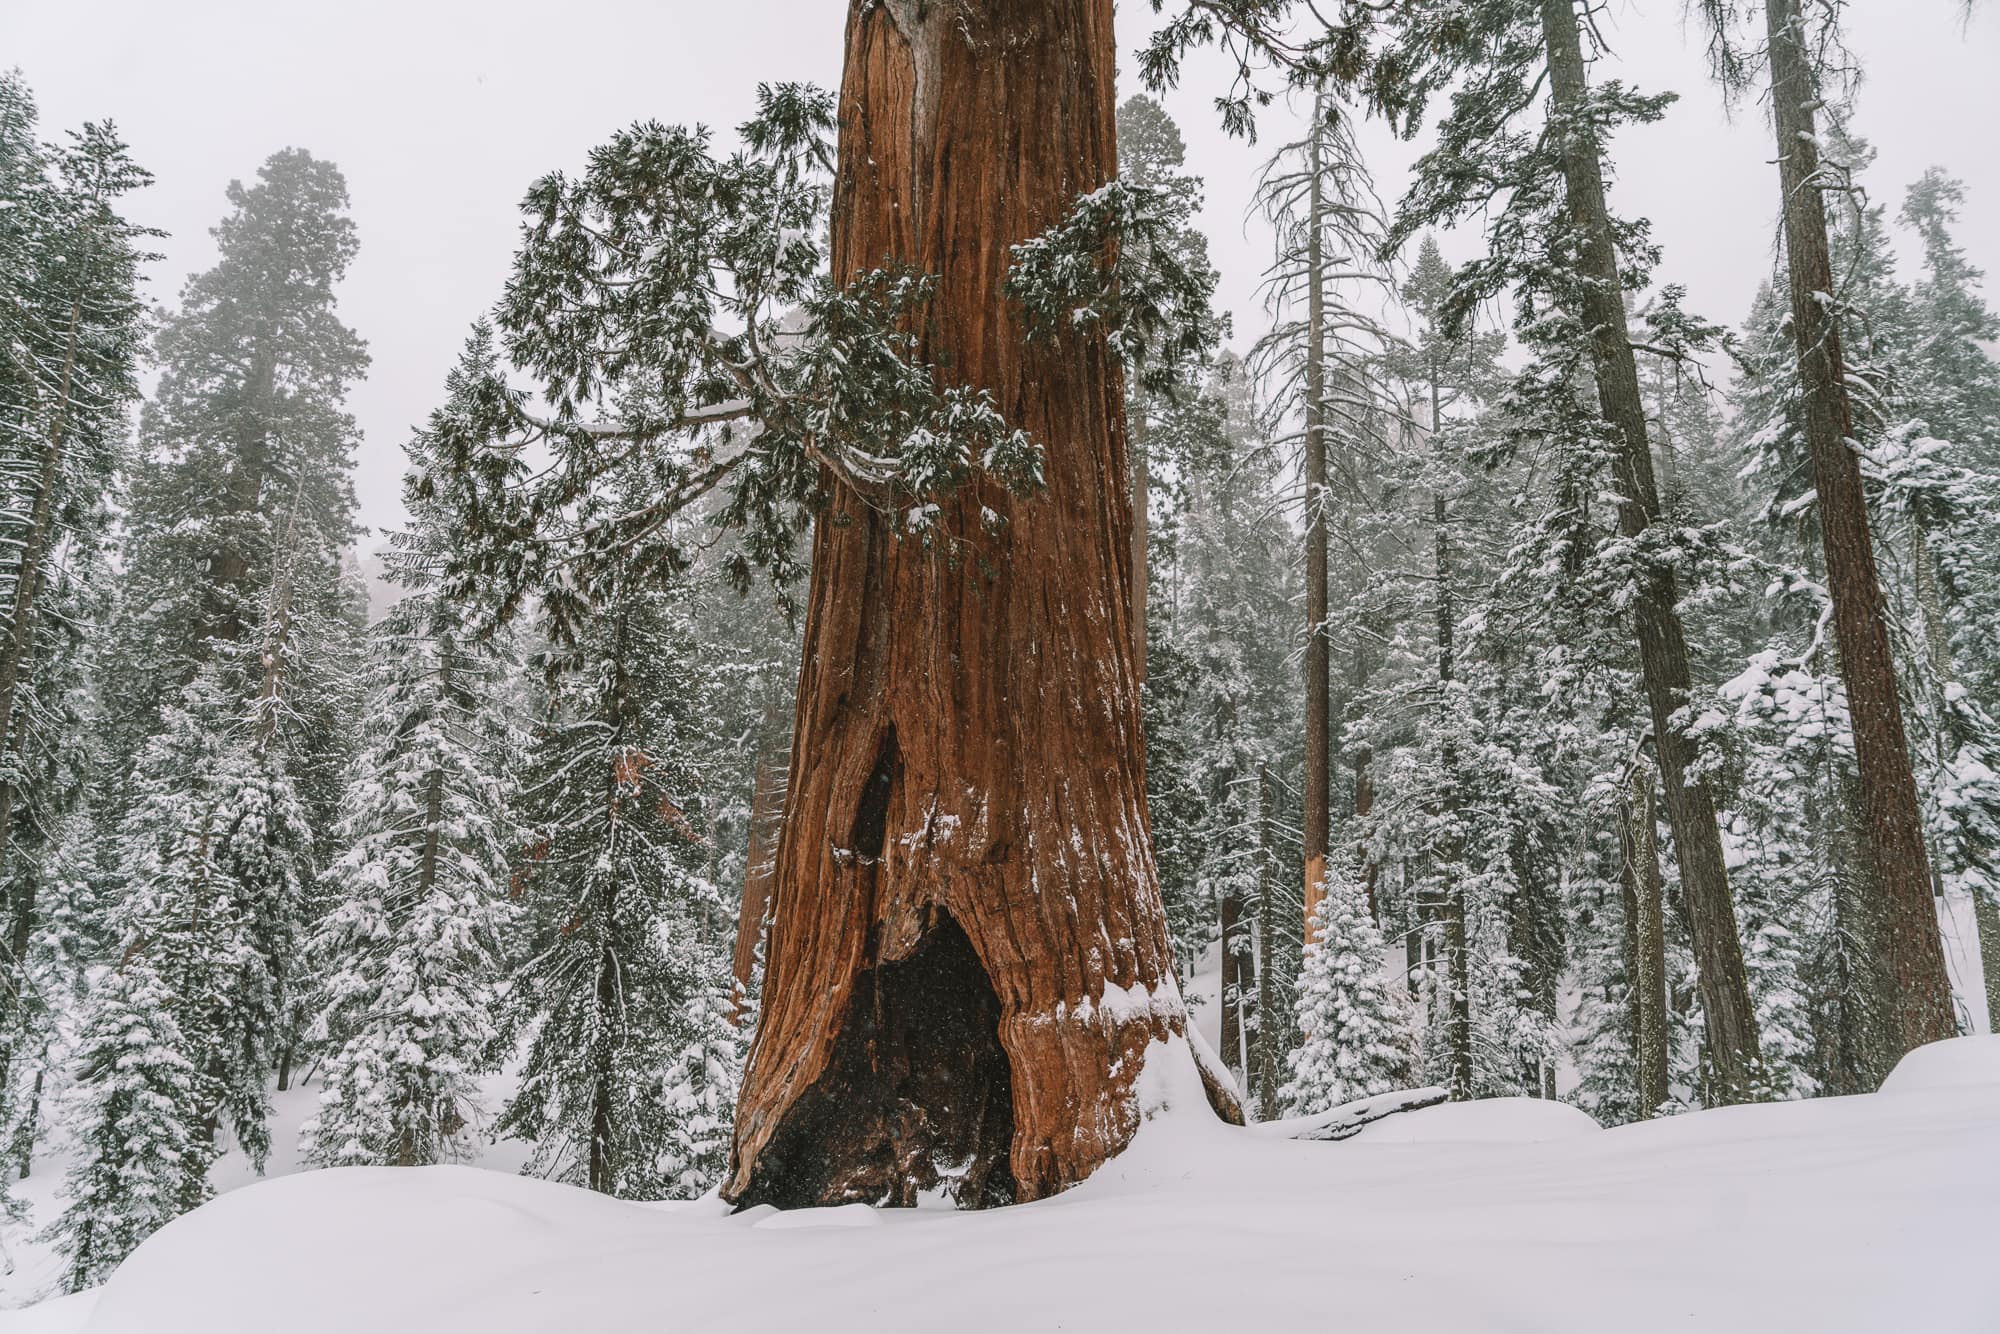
{"x": 1359, "y": 1037}
{"x": 71, "y": 324}
{"x": 407, "y": 954}
{"x": 142, "y": 1151}
{"x": 620, "y": 977}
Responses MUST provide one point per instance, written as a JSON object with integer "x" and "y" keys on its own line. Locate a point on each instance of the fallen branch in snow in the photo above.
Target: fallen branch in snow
{"x": 1349, "y": 1119}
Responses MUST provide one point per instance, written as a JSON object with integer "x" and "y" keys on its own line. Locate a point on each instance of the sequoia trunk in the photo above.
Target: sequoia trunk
{"x": 1914, "y": 952}
{"x": 968, "y": 957}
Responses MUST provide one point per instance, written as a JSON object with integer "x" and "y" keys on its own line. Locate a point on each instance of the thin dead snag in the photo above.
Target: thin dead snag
{"x": 968, "y": 956}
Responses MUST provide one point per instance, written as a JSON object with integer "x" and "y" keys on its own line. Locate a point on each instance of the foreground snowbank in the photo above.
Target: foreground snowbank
{"x": 1864, "y": 1214}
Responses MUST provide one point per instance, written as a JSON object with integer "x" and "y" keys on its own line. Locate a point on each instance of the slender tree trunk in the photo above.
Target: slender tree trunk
{"x": 600, "y": 1171}
{"x": 1269, "y": 1024}
{"x": 1141, "y": 523}
{"x": 1318, "y": 824}
{"x": 602, "y": 1164}
{"x": 1937, "y": 645}
{"x": 1888, "y": 785}
{"x": 1231, "y": 985}
{"x": 1458, "y": 962}
{"x": 1663, "y": 655}
{"x": 31, "y": 1124}
{"x": 968, "y": 956}
{"x": 270, "y": 702}
{"x": 1986, "y": 918}
{"x": 1860, "y": 1041}
{"x": 760, "y": 859}
{"x": 1646, "y": 932}
{"x": 1364, "y": 806}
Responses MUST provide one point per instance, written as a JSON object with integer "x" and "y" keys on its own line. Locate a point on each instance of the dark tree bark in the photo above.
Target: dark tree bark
{"x": 968, "y": 955}
{"x": 1914, "y": 952}
{"x": 1986, "y": 920}
{"x": 1663, "y": 655}
{"x": 1141, "y": 522}
{"x": 1269, "y": 1024}
{"x": 1364, "y": 806}
{"x": 1646, "y": 947}
{"x": 1231, "y": 1034}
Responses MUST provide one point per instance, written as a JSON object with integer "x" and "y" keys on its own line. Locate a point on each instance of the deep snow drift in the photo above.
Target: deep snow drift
{"x": 1874, "y": 1213}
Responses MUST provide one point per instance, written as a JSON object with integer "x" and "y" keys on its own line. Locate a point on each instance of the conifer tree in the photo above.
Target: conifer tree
{"x": 1801, "y": 89}
{"x": 619, "y": 974}
{"x": 1358, "y": 1034}
{"x": 143, "y": 1155}
{"x": 70, "y": 327}
{"x": 1316, "y": 365}
{"x": 243, "y": 500}
{"x": 408, "y": 952}
{"x": 871, "y": 412}
{"x": 1569, "y": 264}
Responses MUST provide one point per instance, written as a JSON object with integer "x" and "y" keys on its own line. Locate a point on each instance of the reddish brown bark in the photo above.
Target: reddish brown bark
{"x": 968, "y": 955}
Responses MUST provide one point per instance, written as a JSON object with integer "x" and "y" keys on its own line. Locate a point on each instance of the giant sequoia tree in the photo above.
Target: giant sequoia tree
{"x": 968, "y": 955}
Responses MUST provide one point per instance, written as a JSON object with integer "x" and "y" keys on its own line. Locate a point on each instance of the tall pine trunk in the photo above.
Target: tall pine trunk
{"x": 1910, "y": 939}
{"x": 1318, "y": 824}
{"x": 968, "y": 955}
{"x": 1937, "y": 646}
{"x": 1269, "y": 1024}
{"x": 1457, "y": 955}
{"x": 1663, "y": 655}
{"x": 1986, "y": 920}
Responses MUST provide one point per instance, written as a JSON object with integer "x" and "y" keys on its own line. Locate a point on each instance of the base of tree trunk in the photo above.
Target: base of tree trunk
{"x": 917, "y": 1092}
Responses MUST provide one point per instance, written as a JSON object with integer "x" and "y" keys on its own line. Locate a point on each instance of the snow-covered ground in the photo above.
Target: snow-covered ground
{"x": 1876, "y": 1213}
{"x": 29, "y": 1270}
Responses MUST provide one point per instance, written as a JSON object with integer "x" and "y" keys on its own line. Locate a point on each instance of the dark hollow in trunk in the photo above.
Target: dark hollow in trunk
{"x": 917, "y": 1086}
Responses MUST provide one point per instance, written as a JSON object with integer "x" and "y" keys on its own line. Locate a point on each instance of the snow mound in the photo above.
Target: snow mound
{"x": 1487, "y": 1121}
{"x": 1841, "y": 1214}
{"x": 1954, "y": 1063}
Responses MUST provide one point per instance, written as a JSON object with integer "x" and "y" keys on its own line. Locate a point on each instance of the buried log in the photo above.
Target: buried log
{"x": 968, "y": 958}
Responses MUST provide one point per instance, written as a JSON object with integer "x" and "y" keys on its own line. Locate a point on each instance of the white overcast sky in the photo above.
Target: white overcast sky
{"x": 442, "y": 113}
